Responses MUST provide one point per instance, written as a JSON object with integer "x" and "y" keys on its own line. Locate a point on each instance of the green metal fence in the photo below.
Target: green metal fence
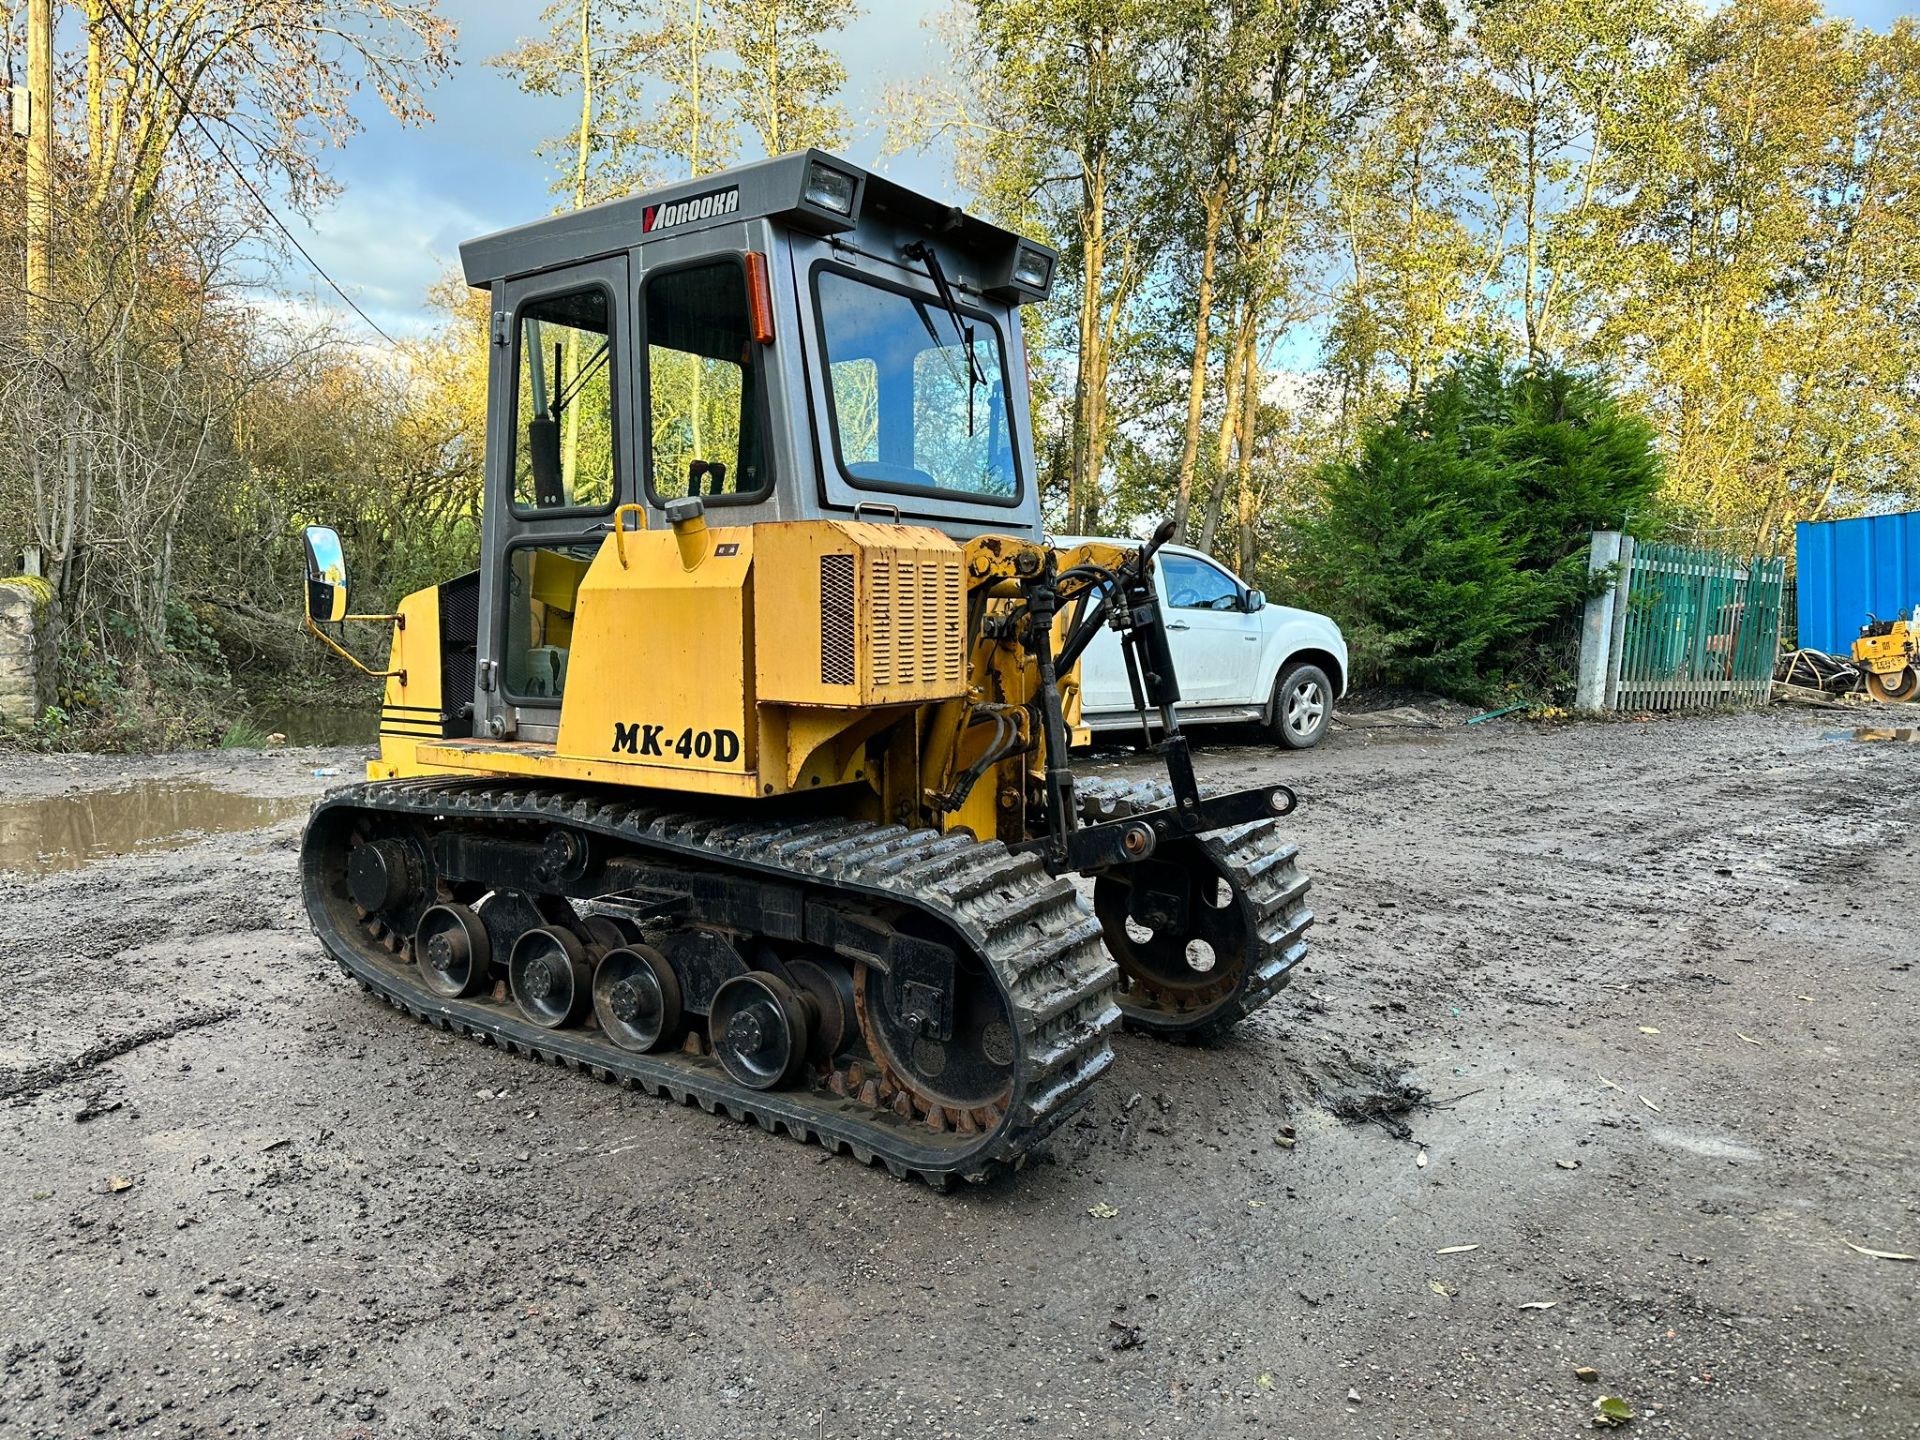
{"x": 1693, "y": 628}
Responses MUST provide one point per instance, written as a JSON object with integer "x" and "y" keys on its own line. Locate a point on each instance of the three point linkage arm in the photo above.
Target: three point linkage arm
{"x": 1128, "y": 603}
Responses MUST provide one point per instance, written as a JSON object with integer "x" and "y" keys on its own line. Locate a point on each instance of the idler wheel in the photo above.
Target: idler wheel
{"x": 381, "y": 874}
{"x": 761, "y": 1030}
{"x": 453, "y": 950}
{"x": 549, "y": 977}
{"x": 637, "y": 998}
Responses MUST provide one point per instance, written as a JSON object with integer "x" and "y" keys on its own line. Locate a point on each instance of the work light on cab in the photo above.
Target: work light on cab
{"x": 830, "y": 189}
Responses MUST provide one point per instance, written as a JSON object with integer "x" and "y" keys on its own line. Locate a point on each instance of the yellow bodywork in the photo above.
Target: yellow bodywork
{"x": 1890, "y": 653}
{"x": 762, "y": 660}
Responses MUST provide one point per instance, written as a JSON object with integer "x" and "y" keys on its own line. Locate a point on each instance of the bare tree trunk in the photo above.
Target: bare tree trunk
{"x": 1089, "y": 386}
{"x": 584, "y": 147}
{"x": 1232, "y": 422}
{"x": 1215, "y": 204}
{"x": 39, "y": 168}
{"x": 1249, "y": 507}
{"x": 1530, "y": 315}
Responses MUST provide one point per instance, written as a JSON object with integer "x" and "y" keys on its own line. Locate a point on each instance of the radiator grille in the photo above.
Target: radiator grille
{"x": 836, "y": 620}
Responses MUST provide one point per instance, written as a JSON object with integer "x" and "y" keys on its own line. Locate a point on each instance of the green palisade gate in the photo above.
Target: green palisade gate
{"x": 1701, "y": 629}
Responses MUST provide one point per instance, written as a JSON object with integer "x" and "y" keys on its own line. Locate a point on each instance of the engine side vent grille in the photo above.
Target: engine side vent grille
{"x": 837, "y": 648}
{"x": 907, "y": 618}
{"x": 918, "y": 637}
{"x": 886, "y": 636}
{"x": 947, "y": 600}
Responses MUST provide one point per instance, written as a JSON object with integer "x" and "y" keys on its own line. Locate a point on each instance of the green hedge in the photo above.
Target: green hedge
{"x": 1452, "y": 548}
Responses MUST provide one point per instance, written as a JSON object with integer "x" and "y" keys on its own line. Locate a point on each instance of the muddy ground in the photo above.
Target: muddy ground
{"x": 1656, "y": 980}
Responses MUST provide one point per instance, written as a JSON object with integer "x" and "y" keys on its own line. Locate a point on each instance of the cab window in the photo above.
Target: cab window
{"x": 563, "y": 410}
{"x": 543, "y": 588}
{"x": 1193, "y": 584}
{"x": 705, "y": 434}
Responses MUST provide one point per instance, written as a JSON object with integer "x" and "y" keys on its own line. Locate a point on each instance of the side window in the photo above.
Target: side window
{"x": 563, "y": 414}
{"x": 702, "y": 384}
{"x": 1193, "y": 584}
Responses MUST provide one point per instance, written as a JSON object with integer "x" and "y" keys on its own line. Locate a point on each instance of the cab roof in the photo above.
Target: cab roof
{"x": 779, "y": 189}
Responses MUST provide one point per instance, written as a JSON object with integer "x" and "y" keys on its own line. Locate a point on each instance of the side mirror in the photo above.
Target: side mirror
{"x": 326, "y": 575}
{"x": 1254, "y": 600}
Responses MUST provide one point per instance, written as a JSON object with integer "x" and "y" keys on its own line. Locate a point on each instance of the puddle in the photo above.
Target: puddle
{"x": 64, "y": 832}
{"x": 1900, "y": 735}
{"x": 357, "y": 724}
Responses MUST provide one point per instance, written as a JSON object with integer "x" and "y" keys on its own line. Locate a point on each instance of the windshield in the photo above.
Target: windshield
{"x": 909, "y": 410}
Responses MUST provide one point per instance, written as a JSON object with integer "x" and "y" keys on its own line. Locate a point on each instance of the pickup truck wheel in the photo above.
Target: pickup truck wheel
{"x": 1302, "y": 705}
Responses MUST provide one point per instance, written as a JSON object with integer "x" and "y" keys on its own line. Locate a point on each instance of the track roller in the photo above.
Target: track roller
{"x": 456, "y": 956}
{"x": 761, "y": 1030}
{"x": 549, "y": 977}
{"x": 637, "y": 998}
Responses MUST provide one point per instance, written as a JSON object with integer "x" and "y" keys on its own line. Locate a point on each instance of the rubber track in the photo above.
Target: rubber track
{"x": 1030, "y": 928}
{"x": 1269, "y": 885}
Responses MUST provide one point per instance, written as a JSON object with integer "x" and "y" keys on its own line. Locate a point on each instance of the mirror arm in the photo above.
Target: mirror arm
{"x": 341, "y": 650}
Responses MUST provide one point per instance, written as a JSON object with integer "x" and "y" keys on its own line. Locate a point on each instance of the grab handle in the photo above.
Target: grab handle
{"x": 620, "y": 529}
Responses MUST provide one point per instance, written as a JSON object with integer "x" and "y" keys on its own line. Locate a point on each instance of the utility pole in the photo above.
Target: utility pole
{"x": 39, "y": 161}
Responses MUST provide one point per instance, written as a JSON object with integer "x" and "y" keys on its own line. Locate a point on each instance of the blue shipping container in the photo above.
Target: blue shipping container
{"x": 1851, "y": 569}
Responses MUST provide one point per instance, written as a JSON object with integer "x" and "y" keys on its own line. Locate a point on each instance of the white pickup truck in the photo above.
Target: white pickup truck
{"x": 1238, "y": 658}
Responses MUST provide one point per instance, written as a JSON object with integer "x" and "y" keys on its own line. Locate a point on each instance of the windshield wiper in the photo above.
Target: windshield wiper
{"x": 926, "y": 255}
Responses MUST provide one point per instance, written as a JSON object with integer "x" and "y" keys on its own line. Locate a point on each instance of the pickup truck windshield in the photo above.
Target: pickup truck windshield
{"x": 909, "y": 411}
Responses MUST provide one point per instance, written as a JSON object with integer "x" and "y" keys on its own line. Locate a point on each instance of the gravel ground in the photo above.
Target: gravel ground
{"x": 1654, "y": 979}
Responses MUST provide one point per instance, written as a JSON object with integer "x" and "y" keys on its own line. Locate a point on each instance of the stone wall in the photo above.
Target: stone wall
{"x": 26, "y": 648}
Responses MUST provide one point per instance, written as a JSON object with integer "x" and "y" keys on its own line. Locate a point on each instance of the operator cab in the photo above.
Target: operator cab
{"x": 796, "y": 339}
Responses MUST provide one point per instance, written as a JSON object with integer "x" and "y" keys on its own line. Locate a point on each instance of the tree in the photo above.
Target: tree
{"x": 1053, "y": 116}
{"x": 1761, "y": 242}
{"x": 783, "y": 86}
{"x": 1453, "y": 546}
{"x": 273, "y": 80}
{"x": 1421, "y": 253}
{"x": 1546, "y": 92}
{"x": 1220, "y": 71}
{"x": 667, "y": 86}
{"x": 1323, "y": 66}
{"x": 129, "y": 411}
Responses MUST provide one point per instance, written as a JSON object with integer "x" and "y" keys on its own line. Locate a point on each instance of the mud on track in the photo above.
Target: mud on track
{"x": 340, "y": 1223}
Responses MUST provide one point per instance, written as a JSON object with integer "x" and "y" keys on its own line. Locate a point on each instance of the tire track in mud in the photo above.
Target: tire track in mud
{"x": 28, "y": 1081}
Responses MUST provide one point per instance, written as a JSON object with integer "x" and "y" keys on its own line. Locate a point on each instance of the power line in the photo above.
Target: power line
{"x": 186, "y": 107}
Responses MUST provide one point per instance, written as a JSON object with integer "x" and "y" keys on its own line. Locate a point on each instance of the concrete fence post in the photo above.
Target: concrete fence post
{"x": 26, "y": 659}
{"x": 1622, "y": 605}
{"x": 1596, "y": 633}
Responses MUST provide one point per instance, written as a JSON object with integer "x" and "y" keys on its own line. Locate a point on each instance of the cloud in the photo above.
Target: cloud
{"x": 385, "y": 245}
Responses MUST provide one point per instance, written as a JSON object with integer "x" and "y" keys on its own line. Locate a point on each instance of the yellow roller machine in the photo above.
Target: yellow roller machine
{"x": 738, "y": 770}
{"x": 1888, "y": 656}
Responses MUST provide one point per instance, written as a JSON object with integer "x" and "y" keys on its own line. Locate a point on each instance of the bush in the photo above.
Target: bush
{"x": 1453, "y": 547}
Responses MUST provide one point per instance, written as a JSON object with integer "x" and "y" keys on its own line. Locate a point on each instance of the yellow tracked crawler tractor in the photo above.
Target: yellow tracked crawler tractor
{"x": 738, "y": 771}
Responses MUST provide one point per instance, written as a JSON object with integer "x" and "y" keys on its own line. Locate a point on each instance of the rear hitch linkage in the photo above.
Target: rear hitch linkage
{"x": 1127, "y": 603}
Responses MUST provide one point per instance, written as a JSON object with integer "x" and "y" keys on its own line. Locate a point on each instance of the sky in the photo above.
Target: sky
{"x": 410, "y": 195}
